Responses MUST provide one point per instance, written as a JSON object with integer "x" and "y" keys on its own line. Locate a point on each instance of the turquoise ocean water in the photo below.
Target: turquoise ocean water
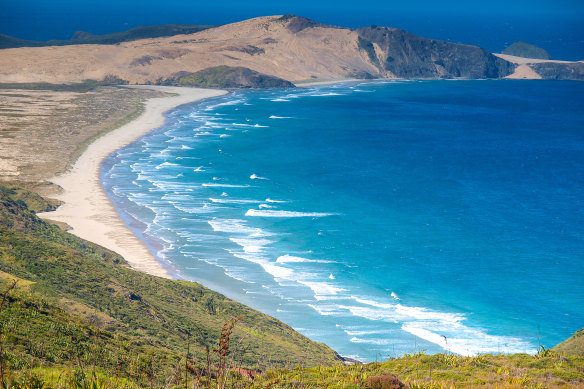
{"x": 381, "y": 218}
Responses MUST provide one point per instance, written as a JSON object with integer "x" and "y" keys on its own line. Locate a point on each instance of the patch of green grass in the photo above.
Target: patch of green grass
{"x": 574, "y": 345}
{"x": 85, "y": 308}
{"x": 227, "y": 77}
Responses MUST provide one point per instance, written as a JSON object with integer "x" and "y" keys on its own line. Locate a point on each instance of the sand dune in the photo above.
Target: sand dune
{"x": 264, "y": 44}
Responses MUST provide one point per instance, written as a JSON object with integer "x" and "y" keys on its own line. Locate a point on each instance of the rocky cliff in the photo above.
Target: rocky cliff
{"x": 406, "y": 55}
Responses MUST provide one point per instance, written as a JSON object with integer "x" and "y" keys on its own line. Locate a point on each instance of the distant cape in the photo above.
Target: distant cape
{"x": 271, "y": 51}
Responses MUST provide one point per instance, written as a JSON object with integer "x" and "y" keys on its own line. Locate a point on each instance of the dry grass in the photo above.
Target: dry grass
{"x": 43, "y": 131}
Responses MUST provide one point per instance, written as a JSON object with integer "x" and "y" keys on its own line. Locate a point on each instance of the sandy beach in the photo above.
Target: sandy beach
{"x": 87, "y": 208}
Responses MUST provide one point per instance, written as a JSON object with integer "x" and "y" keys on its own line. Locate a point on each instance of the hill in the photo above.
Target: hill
{"x": 291, "y": 48}
{"x": 226, "y": 77}
{"x": 525, "y": 50}
{"x": 7, "y": 42}
{"x": 77, "y": 305}
{"x": 82, "y": 37}
{"x": 288, "y": 47}
{"x": 574, "y": 345}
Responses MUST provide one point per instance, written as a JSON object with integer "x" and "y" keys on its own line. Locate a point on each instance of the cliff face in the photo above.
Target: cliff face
{"x": 287, "y": 47}
{"x": 406, "y": 55}
{"x": 559, "y": 70}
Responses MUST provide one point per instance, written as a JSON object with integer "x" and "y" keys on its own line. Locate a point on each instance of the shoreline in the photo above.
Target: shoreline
{"x": 86, "y": 206}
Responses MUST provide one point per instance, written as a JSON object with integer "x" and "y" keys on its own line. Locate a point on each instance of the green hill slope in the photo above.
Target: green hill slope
{"x": 574, "y": 345}
{"x": 525, "y": 50}
{"x": 77, "y": 304}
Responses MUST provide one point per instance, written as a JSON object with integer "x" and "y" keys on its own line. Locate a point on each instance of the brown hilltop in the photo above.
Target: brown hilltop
{"x": 288, "y": 47}
{"x": 266, "y": 44}
{"x": 269, "y": 48}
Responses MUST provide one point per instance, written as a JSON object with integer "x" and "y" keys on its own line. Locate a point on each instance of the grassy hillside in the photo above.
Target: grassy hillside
{"x": 421, "y": 371}
{"x": 525, "y": 50}
{"x": 227, "y": 77}
{"x": 574, "y": 345}
{"x": 77, "y": 305}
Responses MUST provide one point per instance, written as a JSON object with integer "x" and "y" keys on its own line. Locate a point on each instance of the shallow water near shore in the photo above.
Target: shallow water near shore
{"x": 381, "y": 218}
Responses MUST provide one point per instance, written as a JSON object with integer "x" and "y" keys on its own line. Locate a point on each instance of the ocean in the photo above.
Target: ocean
{"x": 381, "y": 218}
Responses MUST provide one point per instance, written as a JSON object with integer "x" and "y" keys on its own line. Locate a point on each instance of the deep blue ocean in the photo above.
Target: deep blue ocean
{"x": 381, "y": 218}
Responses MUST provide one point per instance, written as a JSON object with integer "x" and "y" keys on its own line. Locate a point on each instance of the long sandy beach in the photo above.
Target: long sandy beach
{"x": 87, "y": 208}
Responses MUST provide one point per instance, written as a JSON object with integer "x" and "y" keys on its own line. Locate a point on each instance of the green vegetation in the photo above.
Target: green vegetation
{"x": 227, "y": 77}
{"x": 31, "y": 200}
{"x": 439, "y": 371}
{"x": 417, "y": 371}
{"x": 574, "y": 345}
{"x": 525, "y": 50}
{"x": 78, "y": 308}
{"x": 82, "y": 37}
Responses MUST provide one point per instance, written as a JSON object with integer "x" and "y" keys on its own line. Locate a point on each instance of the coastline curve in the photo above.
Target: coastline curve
{"x": 86, "y": 206}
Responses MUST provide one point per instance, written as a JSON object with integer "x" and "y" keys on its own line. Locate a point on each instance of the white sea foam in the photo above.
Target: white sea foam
{"x": 467, "y": 341}
{"x": 445, "y": 329}
{"x": 279, "y": 99}
{"x": 326, "y": 310}
{"x": 264, "y": 206}
{"x": 292, "y": 259}
{"x": 256, "y": 177}
{"x": 278, "y": 272}
{"x": 176, "y": 197}
{"x": 236, "y": 226}
{"x": 233, "y": 201}
{"x": 185, "y": 147}
{"x": 224, "y": 136}
{"x": 275, "y": 201}
{"x": 394, "y": 296}
{"x": 280, "y": 117}
{"x": 138, "y": 195}
{"x": 196, "y": 210}
{"x": 215, "y": 185}
{"x": 204, "y": 133}
{"x": 366, "y": 332}
{"x": 325, "y": 94}
{"x": 199, "y": 169}
{"x": 253, "y": 245}
{"x": 379, "y": 342}
{"x": 226, "y": 103}
{"x": 283, "y": 214}
{"x": 322, "y": 288}
{"x": 167, "y": 164}
{"x": 331, "y": 277}
{"x": 401, "y": 312}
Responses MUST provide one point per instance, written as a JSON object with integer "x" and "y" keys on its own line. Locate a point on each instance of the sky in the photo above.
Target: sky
{"x": 556, "y": 25}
